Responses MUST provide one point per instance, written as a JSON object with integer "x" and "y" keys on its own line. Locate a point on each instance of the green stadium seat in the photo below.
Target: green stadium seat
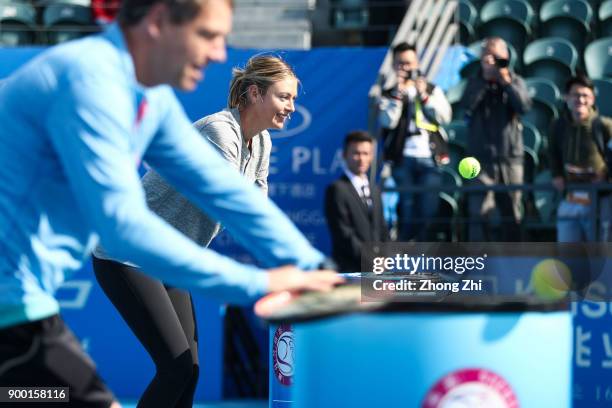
{"x": 544, "y": 96}
{"x": 544, "y": 90}
{"x": 350, "y": 14}
{"x": 598, "y": 58}
{"x": 605, "y": 18}
{"x": 45, "y": 3}
{"x": 552, "y": 58}
{"x": 66, "y": 21}
{"x": 545, "y": 200}
{"x": 569, "y": 19}
{"x": 456, "y": 152}
{"x": 478, "y": 4}
{"x": 531, "y": 163}
{"x": 457, "y": 133}
{"x": 603, "y": 96}
{"x": 536, "y": 5}
{"x": 17, "y": 21}
{"x": 508, "y": 19}
{"x": 468, "y": 17}
{"x": 446, "y": 229}
{"x": 532, "y": 138}
{"x": 454, "y": 95}
{"x": 594, "y": 3}
{"x": 541, "y": 207}
{"x": 450, "y": 177}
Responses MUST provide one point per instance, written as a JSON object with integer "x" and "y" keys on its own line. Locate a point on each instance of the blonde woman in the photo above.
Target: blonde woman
{"x": 261, "y": 97}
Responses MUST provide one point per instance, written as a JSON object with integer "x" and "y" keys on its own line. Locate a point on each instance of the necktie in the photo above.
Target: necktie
{"x": 365, "y": 196}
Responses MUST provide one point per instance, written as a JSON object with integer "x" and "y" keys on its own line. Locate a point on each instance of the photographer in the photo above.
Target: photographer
{"x": 578, "y": 146}
{"x": 411, "y": 111}
{"x": 493, "y": 100}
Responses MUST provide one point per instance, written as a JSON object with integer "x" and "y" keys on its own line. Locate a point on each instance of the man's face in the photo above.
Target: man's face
{"x": 185, "y": 49}
{"x": 580, "y": 101}
{"x": 493, "y": 50}
{"x": 406, "y": 61}
{"x": 358, "y": 157}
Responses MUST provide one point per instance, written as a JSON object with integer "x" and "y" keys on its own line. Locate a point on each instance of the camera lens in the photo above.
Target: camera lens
{"x": 414, "y": 74}
{"x": 502, "y": 62}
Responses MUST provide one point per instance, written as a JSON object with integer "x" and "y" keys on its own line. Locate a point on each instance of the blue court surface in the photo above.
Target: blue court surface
{"x": 222, "y": 404}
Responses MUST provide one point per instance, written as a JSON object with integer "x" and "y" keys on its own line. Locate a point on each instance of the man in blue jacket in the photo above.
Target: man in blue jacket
{"x": 76, "y": 123}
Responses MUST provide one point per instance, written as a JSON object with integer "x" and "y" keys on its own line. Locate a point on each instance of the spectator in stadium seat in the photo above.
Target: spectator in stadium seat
{"x": 493, "y": 101}
{"x": 411, "y": 112}
{"x": 578, "y": 145}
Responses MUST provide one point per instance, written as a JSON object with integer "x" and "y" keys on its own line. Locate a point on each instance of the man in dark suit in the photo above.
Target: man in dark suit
{"x": 353, "y": 207}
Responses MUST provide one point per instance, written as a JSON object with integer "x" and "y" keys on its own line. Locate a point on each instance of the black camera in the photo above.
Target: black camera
{"x": 412, "y": 75}
{"x": 502, "y": 62}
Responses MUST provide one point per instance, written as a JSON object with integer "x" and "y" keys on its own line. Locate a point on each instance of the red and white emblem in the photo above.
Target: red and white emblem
{"x": 471, "y": 388}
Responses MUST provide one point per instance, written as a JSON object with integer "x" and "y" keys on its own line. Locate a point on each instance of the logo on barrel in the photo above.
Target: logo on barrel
{"x": 474, "y": 387}
{"x": 282, "y": 354}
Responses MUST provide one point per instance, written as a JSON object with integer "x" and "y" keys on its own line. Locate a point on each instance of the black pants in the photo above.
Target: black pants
{"x": 163, "y": 319}
{"x": 45, "y": 353}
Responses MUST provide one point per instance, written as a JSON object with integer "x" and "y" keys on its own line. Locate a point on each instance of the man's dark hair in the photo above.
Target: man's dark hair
{"x": 356, "y": 136}
{"x": 401, "y": 47}
{"x": 181, "y": 11}
{"x": 579, "y": 79}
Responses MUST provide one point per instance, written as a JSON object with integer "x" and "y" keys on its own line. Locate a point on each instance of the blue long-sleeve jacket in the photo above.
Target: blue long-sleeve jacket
{"x": 73, "y": 128}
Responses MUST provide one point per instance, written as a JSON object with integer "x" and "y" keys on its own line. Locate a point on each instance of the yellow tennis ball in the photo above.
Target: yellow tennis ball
{"x": 469, "y": 167}
{"x": 551, "y": 279}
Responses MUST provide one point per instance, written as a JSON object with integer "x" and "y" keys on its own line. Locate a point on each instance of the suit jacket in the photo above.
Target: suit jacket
{"x": 351, "y": 224}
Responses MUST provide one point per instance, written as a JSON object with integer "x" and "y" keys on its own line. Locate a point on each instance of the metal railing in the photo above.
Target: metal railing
{"x": 461, "y": 219}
